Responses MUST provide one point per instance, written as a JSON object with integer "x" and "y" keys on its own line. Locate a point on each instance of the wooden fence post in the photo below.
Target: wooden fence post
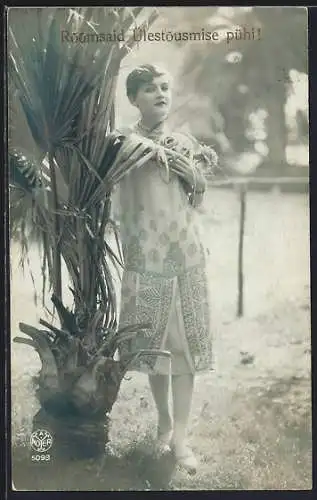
{"x": 242, "y": 197}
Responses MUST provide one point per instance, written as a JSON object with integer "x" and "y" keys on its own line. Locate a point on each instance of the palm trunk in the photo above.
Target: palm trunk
{"x": 73, "y": 437}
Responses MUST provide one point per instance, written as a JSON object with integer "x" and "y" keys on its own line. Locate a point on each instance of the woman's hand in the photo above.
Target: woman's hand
{"x": 197, "y": 195}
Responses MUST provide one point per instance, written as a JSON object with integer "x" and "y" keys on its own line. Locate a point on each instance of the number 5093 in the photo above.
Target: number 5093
{"x": 41, "y": 458}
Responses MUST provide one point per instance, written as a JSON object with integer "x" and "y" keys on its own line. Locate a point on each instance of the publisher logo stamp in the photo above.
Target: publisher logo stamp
{"x": 41, "y": 441}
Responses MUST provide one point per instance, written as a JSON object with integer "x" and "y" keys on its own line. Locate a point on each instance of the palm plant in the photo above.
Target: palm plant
{"x": 66, "y": 92}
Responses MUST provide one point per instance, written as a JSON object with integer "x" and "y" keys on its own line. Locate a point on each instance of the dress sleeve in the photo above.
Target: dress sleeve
{"x": 205, "y": 157}
{"x": 203, "y": 160}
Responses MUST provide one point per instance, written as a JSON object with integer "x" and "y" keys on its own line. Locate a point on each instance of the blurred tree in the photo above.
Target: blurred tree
{"x": 244, "y": 75}
{"x": 250, "y": 71}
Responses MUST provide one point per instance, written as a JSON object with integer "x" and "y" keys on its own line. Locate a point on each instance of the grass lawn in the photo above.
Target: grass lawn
{"x": 251, "y": 416}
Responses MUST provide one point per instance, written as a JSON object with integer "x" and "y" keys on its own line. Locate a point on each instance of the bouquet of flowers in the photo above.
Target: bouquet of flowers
{"x": 192, "y": 161}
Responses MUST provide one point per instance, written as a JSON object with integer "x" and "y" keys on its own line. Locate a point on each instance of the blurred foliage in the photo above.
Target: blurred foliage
{"x": 256, "y": 77}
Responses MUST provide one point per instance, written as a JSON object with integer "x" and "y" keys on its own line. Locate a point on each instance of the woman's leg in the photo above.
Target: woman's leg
{"x": 182, "y": 390}
{"x": 160, "y": 390}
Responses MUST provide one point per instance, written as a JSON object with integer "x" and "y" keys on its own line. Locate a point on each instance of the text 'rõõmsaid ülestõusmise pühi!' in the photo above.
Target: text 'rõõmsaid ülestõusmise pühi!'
{"x": 142, "y": 35}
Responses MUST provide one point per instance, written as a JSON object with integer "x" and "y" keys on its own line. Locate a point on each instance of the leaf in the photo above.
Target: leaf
{"x": 23, "y": 172}
{"x": 22, "y": 340}
{"x": 128, "y": 359}
{"x": 48, "y": 75}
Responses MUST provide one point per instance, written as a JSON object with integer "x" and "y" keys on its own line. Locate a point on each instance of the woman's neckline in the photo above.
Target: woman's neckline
{"x": 154, "y": 133}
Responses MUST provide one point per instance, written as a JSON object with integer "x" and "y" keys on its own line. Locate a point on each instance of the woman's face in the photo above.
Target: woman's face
{"x": 154, "y": 99}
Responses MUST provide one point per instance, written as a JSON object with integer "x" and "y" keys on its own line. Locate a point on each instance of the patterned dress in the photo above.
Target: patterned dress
{"x": 164, "y": 282}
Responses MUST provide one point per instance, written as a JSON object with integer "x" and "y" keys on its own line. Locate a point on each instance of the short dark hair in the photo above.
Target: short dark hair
{"x": 141, "y": 75}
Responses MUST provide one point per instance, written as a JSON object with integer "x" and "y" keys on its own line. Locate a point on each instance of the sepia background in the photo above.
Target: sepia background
{"x": 251, "y": 416}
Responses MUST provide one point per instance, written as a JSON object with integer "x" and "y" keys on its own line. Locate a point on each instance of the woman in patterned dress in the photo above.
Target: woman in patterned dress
{"x": 164, "y": 281}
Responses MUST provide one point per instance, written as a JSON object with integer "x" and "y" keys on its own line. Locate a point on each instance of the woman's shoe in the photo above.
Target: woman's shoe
{"x": 163, "y": 442}
{"x": 185, "y": 458}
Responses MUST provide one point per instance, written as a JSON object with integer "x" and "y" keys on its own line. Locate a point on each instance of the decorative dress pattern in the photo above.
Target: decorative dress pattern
{"x": 164, "y": 281}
